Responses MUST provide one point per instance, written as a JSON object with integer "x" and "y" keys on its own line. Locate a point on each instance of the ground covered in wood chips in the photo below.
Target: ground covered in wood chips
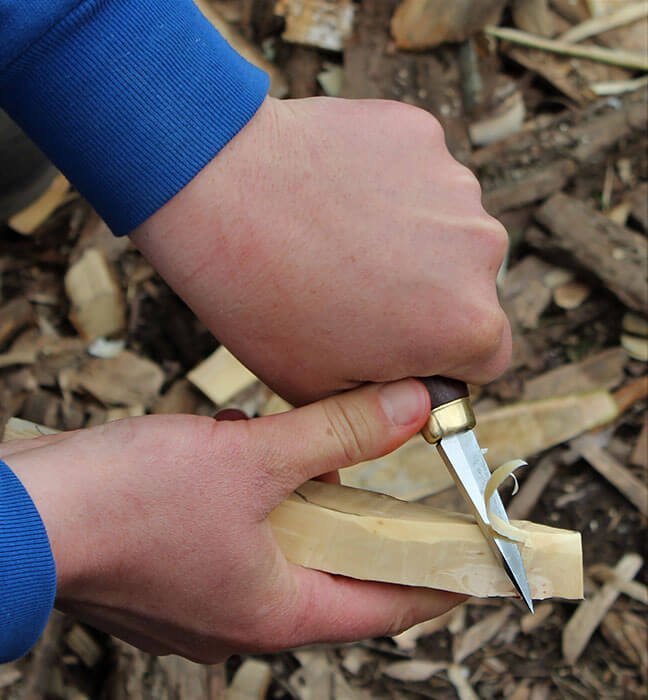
{"x": 563, "y": 163}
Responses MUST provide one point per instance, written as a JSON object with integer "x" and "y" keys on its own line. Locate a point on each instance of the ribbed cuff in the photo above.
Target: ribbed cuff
{"x": 131, "y": 99}
{"x": 27, "y": 569}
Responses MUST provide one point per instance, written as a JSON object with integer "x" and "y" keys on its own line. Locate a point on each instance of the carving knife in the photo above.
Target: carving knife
{"x": 449, "y": 427}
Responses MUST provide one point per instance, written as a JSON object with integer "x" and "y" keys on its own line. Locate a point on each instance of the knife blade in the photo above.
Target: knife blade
{"x": 450, "y": 429}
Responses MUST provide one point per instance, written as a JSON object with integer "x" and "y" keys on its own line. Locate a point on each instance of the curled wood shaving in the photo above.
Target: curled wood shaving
{"x": 499, "y": 526}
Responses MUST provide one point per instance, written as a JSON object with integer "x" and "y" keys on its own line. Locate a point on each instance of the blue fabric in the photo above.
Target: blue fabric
{"x": 129, "y": 98}
{"x": 27, "y": 570}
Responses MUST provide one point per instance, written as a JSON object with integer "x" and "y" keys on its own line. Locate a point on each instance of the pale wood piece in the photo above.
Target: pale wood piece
{"x": 407, "y": 640}
{"x": 221, "y": 376}
{"x": 84, "y": 646}
{"x": 601, "y": 371}
{"x": 322, "y": 23}
{"x": 97, "y": 304}
{"x": 628, "y": 633}
{"x": 414, "y": 670}
{"x": 619, "y": 476}
{"x": 458, "y": 676}
{"x": 532, "y": 489}
{"x": 423, "y": 24}
{"x": 19, "y": 429}
{"x": 532, "y": 621}
{"x": 476, "y": 636}
{"x": 591, "y": 612}
{"x": 597, "y": 25}
{"x": 618, "y": 87}
{"x": 633, "y": 589}
{"x": 534, "y": 16}
{"x": 278, "y": 84}
{"x": 625, "y": 59}
{"x": 614, "y": 253}
{"x": 9, "y": 675}
{"x": 250, "y": 682}
{"x": 30, "y": 218}
{"x": 516, "y": 431}
{"x": 374, "y": 537}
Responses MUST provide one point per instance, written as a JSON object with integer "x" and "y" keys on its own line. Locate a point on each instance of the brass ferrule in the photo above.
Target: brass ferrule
{"x": 449, "y": 419}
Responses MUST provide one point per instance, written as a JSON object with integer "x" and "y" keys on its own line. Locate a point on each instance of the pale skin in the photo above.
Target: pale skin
{"x": 331, "y": 244}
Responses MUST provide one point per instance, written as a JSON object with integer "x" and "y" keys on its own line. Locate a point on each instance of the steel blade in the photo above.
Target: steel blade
{"x": 463, "y": 457}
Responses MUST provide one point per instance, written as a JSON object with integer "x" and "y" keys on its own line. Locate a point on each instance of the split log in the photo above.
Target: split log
{"x": 374, "y": 537}
{"x": 613, "y": 253}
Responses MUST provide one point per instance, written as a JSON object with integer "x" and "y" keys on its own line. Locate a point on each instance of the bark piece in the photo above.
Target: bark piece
{"x": 591, "y": 612}
{"x": 14, "y": 316}
{"x": 629, "y": 634}
{"x": 97, "y": 303}
{"x": 423, "y": 24}
{"x": 221, "y": 376}
{"x": 478, "y": 635}
{"x": 609, "y": 467}
{"x": 320, "y": 23}
{"x": 601, "y": 371}
{"x": 250, "y": 682}
{"x": 615, "y": 254}
{"x": 374, "y": 537}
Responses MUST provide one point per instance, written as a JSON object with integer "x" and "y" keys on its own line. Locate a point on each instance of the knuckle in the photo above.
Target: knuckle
{"x": 349, "y": 428}
{"x": 488, "y": 330}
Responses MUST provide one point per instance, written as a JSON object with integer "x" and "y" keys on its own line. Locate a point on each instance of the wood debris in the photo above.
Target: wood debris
{"x": 14, "y": 316}
{"x": 630, "y": 12}
{"x": 84, "y": 646}
{"x": 32, "y": 217}
{"x": 633, "y": 488}
{"x": 414, "y": 670}
{"x": 423, "y": 24}
{"x": 532, "y": 621}
{"x": 323, "y": 23}
{"x": 633, "y": 589}
{"x": 382, "y": 539}
{"x": 97, "y": 304}
{"x": 478, "y": 635}
{"x": 459, "y": 676}
{"x": 615, "y": 254}
{"x": 221, "y": 376}
{"x": 591, "y": 612}
{"x": 250, "y": 682}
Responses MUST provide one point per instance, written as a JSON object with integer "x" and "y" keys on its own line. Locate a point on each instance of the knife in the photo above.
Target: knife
{"x": 449, "y": 427}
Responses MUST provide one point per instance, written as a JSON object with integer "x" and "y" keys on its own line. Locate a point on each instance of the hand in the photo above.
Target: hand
{"x": 160, "y": 534}
{"x": 336, "y": 242}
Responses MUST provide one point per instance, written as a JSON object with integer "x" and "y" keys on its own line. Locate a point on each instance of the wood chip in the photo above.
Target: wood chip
{"x": 458, "y": 676}
{"x": 84, "y": 646}
{"x": 320, "y": 23}
{"x": 571, "y": 295}
{"x": 407, "y": 640}
{"x": 534, "y": 16}
{"x": 355, "y": 658}
{"x": 591, "y": 612}
{"x": 635, "y": 346}
{"x": 414, "y": 671}
{"x": 250, "y": 682}
{"x": 221, "y": 376}
{"x": 608, "y": 466}
{"x": 629, "y": 12}
{"x": 533, "y": 621}
{"x": 639, "y": 454}
{"x": 633, "y": 589}
{"x": 635, "y": 324}
{"x": 478, "y": 635}
{"x": 125, "y": 380}
{"x": 629, "y": 634}
{"x": 30, "y": 219}
{"x": 181, "y": 397}
{"x": 615, "y": 254}
{"x": 97, "y": 303}
{"x": 9, "y": 675}
{"x": 423, "y": 24}
{"x": 604, "y": 370}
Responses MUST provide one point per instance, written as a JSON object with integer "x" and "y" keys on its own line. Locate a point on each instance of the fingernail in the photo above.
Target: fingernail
{"x": 402, "y": 401}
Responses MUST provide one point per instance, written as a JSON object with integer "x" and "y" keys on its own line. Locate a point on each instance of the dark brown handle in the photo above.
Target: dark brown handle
{"x": 443, "y": 390}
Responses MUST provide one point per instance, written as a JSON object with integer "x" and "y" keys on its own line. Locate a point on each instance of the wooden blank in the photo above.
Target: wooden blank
{"x": 375, "y": 537}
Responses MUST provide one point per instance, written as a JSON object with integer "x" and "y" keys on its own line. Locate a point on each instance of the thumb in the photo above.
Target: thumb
{"x": 340, "y": 431}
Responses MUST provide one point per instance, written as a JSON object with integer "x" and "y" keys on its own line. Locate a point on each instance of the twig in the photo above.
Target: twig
{"x": 598, "y": 25}
{"x": 625, "y": 59}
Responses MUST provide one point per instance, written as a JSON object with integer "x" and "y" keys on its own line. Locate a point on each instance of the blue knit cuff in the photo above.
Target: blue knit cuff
{"x": 131, "y": 99}
{"x": 27, "y": 570}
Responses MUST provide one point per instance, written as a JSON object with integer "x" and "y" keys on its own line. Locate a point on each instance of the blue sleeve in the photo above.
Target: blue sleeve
{"x": 27, "y": 571}
{"x": 129, "y": 98}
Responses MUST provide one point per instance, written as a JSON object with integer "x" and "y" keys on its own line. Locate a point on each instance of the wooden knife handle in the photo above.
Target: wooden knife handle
{"x": 443, "y": 390}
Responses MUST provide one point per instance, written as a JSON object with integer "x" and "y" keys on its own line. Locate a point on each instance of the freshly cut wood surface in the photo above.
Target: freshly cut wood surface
{"x": 221, "y": 376}
{"x": 374, "y": 537}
